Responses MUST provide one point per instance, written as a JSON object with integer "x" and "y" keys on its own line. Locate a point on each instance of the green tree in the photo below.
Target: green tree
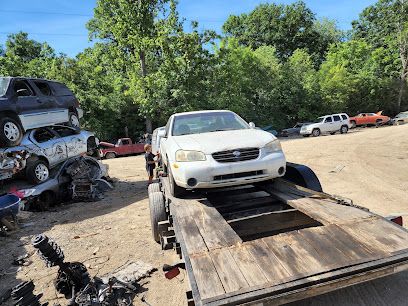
{"x": 385, "y": 24}
{"x": 137, "y": 28}
{"x": 286, "y": 27}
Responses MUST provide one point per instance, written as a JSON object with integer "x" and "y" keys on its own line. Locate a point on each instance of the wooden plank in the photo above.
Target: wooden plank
{"x": 272, "y": 268}
{"x": 215, "y": 231}
{"x": 379, "y": 233}
{"x": 228, "y": 271}
{"x": 206, "y": 276}
{"x": 248, "y": 266}
{"x": 191, "y": 234}
{"x": 314, "y": 285}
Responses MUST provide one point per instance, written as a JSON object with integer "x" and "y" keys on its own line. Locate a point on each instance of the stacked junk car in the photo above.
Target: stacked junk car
{"x": 45, "y": 157}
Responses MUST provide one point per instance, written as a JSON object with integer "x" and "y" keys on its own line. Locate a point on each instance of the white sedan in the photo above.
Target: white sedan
{"x": 210, "y": 149}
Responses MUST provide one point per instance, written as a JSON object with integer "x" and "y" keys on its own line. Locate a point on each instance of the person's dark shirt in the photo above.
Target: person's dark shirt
{"x": 149, "y": 157}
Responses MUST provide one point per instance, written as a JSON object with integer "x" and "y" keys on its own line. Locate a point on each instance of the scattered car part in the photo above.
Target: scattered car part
{"x": 12, "y": 162}
{"x": 72, "y": 277}
{"x": 22, "y": 295}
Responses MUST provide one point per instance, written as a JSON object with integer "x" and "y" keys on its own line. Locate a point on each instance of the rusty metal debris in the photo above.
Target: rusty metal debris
{"x": 75, "y": 283}
{"x": 72, "y": 277}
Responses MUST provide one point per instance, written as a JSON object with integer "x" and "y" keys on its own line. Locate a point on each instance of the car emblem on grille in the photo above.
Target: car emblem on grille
{"x": 236, "y": 154}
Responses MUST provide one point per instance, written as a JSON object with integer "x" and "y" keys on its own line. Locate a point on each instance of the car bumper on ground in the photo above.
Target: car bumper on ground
{"x": 213, "y": 174}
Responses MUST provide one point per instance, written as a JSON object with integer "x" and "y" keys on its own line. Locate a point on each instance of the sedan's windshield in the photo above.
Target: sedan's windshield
{"x": 207, "y": 122}
{"x": 3, "y": 85}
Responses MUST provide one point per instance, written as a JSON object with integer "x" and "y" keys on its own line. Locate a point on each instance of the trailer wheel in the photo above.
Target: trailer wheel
{"x": 157, "y": 213}
{"x": 154, "y": 187}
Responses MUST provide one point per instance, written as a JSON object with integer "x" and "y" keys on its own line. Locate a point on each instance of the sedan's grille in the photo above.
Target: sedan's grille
{"x": 237, "y": 175}
{"x": 237, "y": 155}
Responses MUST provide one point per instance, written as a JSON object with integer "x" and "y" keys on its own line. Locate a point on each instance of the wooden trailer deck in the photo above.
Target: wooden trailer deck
{"x": 282, "y": 245}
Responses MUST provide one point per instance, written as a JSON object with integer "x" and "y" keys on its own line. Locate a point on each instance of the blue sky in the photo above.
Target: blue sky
{"x": 62, "y": 22}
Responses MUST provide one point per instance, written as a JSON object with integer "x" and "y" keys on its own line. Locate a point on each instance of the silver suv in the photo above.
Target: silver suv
{"x": 327, "y": 124}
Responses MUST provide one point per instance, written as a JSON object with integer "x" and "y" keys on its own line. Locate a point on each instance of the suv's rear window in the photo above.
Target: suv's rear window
{"x": 60, "y": 89}
{"x": 4, "y": 85}
{"x": 44, "y": 88}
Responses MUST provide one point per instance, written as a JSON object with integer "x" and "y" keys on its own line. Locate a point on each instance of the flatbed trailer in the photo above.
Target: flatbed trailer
{"x": 274, "y": 243}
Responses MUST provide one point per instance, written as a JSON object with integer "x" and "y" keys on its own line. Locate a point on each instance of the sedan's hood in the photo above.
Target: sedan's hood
{"x": 224, "y": 140}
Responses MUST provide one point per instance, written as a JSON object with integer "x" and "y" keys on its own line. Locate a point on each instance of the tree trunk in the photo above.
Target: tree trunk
{"x": 149, "y": 125}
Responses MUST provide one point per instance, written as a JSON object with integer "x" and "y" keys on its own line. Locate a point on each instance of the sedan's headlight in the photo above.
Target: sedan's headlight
{"x": 189, "y": 156}
{"x": 273, "y": 146}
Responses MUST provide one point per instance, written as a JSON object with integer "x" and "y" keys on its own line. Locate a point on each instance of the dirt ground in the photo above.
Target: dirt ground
{"x": 369, "y": 166}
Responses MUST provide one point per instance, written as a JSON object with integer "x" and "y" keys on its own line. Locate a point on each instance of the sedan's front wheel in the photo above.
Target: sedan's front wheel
{"x": 11, "y": 132}
{"x": 37, "y": 171}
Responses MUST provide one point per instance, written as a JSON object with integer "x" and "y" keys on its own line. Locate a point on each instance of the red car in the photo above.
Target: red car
{"x": 369, "y": 119}
{"x": 123, "y": 147}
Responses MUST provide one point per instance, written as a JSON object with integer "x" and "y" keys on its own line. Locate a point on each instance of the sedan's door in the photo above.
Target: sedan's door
{"x": 49, "y": 145}
{"x": 75, "y": 143}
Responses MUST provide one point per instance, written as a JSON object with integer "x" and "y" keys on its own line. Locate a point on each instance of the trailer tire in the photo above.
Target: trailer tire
{"x": 157, "y": 213}
{"x": 153, "y": 187}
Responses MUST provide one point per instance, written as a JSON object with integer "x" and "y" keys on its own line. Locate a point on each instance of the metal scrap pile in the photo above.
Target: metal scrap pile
{"x": 87, "y": 180}
{"x": 74, "y": 282}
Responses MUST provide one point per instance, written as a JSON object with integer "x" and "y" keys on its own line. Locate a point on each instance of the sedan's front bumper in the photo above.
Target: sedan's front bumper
{"x": 213, "y": 174}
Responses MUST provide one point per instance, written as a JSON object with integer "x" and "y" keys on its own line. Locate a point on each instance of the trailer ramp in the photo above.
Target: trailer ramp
{"x": 280, "y": 244}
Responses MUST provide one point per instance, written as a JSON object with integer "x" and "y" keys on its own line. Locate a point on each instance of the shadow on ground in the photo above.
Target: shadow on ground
{"x": 33, "y": 223}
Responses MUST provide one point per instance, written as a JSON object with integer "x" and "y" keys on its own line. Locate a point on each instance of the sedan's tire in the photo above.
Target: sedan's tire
{"x": 176, "y": 191}
{"x": 154, "y": 187}
{"x": 316, "y": 132}
{"x": 11, "y": 132}
{"x": 37, "y": 171}
{"x": 157, "y": 213}
{"x": 110, "y": 155}
{"x": 74, "y": 120}
{"x": 353, "y": 124}
{"x": 344, "y": 129}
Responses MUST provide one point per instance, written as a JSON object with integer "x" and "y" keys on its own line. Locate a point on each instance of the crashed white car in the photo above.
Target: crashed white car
{"x": 44, "y": 148}
{"x": 210, "y": 149}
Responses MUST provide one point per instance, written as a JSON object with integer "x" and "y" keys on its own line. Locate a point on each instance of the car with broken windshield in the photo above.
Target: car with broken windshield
{"x": 46, "y": 147}
{"x": 211, "y": 149}
{"x": 27, "y": 103}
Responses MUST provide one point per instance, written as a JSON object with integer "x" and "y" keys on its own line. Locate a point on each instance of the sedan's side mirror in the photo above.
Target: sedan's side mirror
{"x": 252, "y": 125}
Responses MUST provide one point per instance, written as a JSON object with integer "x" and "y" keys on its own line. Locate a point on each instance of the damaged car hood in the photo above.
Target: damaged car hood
{"x": 209, "y": 143}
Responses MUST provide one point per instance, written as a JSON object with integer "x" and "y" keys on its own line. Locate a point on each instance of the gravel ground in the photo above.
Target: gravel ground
{"x": 369, "y": 166}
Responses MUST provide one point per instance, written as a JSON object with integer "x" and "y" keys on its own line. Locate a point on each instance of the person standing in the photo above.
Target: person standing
{"x": 150, "y": 162}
